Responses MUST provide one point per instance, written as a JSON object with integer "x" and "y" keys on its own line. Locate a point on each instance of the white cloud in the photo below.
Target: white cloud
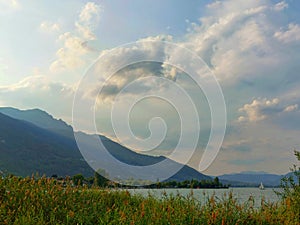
{"x": 88, "y": 18}
{"x": 65, "y": 61}
{"x": 255, "y": 110}
{"x": 263, "y": 108}
{"x": 292, "y": 34}
{"x": 281, "y": 6}
{"x": 237, "y": 40}
{"x": 214, "y": 5}
{"x": 291, "y": 108}
{"x": 49, "y": 27}
{"x": 90, "y": 10}
{"x": 37, "y": 83}
{"x": 85, "y": 31}
{"x": 39, "y": 92}
{"x": 75, "y": 44}
{"x": 70, "y": 56}
{"x": 147, "y": 48}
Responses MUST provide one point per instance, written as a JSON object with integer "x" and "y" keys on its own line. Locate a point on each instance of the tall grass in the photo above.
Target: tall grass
{"x": 44, "y": 201}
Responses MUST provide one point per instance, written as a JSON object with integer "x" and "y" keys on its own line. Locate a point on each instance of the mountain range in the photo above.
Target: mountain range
{"x": 245, "y": 179}
{"x": 33, "y": 141}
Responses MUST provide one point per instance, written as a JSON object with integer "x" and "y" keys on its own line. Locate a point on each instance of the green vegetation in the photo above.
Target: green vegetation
{"x": 215, "y": 183}
{"x": 291, "y": 189}
{"x": 99, "y": 180}
{"x": 54, "y": 201}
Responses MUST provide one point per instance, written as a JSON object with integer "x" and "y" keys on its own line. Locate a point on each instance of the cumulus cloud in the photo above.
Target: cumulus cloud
{"x": 255, "y": 110}
{"x": 237, "y": 41}
{"x": 75, "y": 44}
{"x": 263, "y": 108}
{"x": 85, "y": 31}
{"x": 109, "y": 65}
{"x": 70, "y": 56}
{"x": 90, "y": 10}
{"x": 88, "y": 18}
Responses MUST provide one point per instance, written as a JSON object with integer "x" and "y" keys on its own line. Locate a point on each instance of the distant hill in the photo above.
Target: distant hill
{"x": 34, "y": 141}
{"x": 251, "y": 179}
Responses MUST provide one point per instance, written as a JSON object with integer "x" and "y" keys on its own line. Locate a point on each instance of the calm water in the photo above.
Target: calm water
{"x": 241, "y": 194}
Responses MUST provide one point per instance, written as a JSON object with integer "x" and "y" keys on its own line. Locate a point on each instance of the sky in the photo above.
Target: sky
{"x": 251, "y": 47}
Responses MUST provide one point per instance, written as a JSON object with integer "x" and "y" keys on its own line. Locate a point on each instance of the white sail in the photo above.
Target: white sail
{"x": 261, "y": 186}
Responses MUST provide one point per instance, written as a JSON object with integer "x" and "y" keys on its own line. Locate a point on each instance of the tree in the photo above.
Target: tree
{"x": 78, "y": 179}
{"x": 216, "y": 182}
{"x": 100, "y": 179}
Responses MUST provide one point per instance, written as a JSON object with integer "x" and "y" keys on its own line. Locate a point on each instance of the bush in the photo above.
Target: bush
{"x": 291, "y": 192}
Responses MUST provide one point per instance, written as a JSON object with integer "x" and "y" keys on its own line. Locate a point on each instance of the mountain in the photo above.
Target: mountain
{"x": 47, "y": 145}
{"x": 26, "y": 149}
{"x": 39, "y": 118}
{"x": 251, "y": 179}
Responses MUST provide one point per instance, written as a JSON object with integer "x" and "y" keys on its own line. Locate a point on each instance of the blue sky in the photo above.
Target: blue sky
{"x": 252, "y": 47}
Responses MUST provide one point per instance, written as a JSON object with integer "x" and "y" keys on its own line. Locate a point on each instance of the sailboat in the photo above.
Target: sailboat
{"x": 261, "y": 186}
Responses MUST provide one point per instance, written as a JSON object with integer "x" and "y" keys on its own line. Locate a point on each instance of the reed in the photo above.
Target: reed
{"x": 46, "y": 201}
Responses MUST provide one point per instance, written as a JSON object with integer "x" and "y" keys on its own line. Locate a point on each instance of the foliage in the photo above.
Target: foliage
{"x": 78, "y": 179}
{"x": 52, "y": 201}
{"x": 215, "y": 183}
{"x": 100, "y": 180}
{"x": 291, "y": 190}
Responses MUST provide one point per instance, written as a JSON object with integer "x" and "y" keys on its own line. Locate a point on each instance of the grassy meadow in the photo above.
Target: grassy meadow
{"x": 44, "y": 201}
{"x": 49, "y": 201}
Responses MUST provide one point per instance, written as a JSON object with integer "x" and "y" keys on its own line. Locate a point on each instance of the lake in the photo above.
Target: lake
{"x": 241, "y": 194}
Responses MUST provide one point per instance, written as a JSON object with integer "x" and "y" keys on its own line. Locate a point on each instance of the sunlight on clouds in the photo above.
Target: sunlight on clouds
{"x": 88, "y": 19}
{"x": 254, "y": 111}
{"x": 237, "y": 41}
{"x": 133, "y": 71}
{"x": 292, "y": 34}
{"x": 260, "y": 109}
{"x": 226, "y": 42}
{"x": 85, "y": 31}
{"x": 90, "y": 10}
{"x": 36, "y": 83}
{"x": 66, "y": 61}
{"x": 75, "y": 44}
{"x": 39, "y": 92}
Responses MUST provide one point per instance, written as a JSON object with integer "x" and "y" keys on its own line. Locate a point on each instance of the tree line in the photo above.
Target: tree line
{"x": 100, "y": 181}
